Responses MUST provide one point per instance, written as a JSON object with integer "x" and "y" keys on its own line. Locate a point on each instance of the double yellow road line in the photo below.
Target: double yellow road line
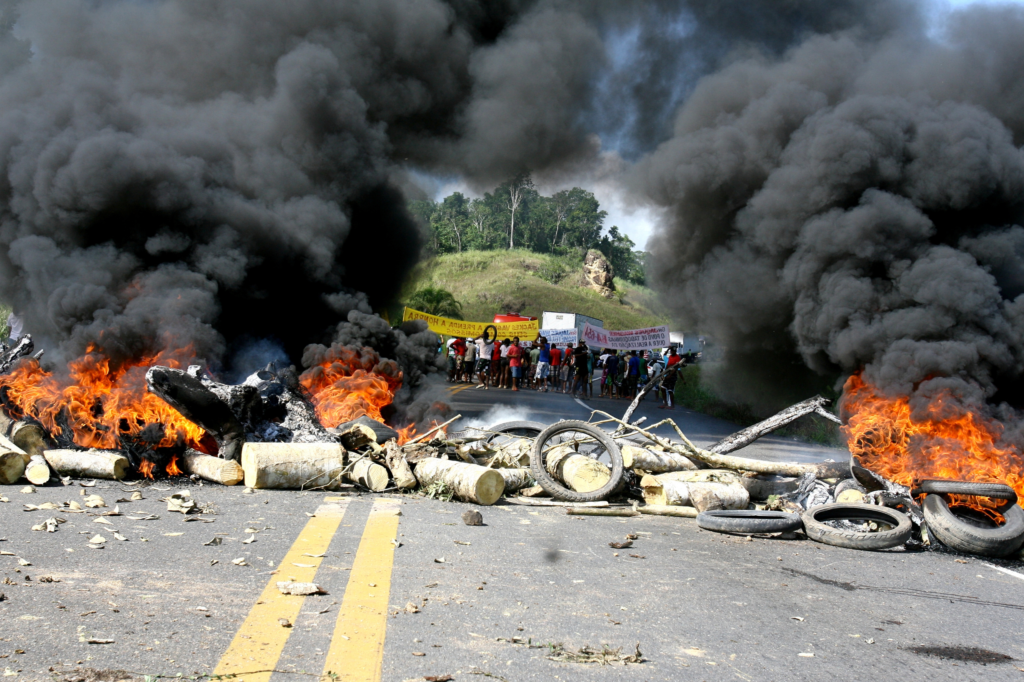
{"x": 357, "y": 646}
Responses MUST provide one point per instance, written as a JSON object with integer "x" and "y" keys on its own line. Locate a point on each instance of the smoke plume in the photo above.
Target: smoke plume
{"x": 855, "y": 203}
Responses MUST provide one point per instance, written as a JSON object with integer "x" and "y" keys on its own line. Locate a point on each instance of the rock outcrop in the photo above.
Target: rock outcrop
{"x": 598, "y": 273}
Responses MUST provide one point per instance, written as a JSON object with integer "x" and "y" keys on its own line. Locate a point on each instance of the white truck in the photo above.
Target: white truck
{"x": 550, "y": 320}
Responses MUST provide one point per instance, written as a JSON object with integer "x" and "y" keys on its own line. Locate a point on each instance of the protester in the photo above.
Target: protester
{"x": 486, "y": 350}
{"x": 579, "y": 362}
{"x": 543, "y": 364}
{"x": 632, "y": 375}
{"x": 590, "y": 374}
{"x": 556, "y": 365}
{"x": 668, "y": 386}
{"x": 496, "y": 362}
{"x": 611, "y": 365}
{"x": 469, "y": 361}
{"x": 505, "y": 376}
{"x": 528, "y": 376}
{"x": 515, "y": 361}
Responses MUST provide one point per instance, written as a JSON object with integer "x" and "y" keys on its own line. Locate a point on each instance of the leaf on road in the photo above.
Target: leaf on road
{"x": 213, "y": 543}
{"x": 240, "y": 561}
{"x": 94, "y": 502}
{"x": 248, "y": 541}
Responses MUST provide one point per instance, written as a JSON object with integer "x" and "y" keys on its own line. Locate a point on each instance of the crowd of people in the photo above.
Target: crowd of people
{"x": 571, "y": 369}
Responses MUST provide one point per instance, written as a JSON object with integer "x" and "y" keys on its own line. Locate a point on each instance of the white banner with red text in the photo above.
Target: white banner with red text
{"x": 630, "y": 339}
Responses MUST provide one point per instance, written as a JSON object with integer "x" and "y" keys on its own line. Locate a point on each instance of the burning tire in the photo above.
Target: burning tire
{"x": 763, "y": 486}
{"x": 995, "y": 491}
{"x": 817, "y": 529}
{"x": 748, "y": 521}
{"x": 964, "y": 536}
{"x": 552, "y": 437}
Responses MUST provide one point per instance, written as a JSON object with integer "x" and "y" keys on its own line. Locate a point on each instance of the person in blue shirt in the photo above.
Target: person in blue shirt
{"x": 632, "y": 374}
{"x": 543, "y": 364}
{"x": 612, "y": 365}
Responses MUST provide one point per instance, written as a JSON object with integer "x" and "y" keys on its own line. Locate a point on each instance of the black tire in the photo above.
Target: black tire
{"x": 487, "y": 337}
{"x": 556, "y": 489}
{"x": 527, "y": 429}
{"x": 749, "y": 521}
{"x": 966, "y": 537}
{"x": 763, "y": 486}
{"x": 995, "y": 491}
{"x": 817, "y": 530}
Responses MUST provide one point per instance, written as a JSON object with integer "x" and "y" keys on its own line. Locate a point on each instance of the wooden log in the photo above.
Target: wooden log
{"x": 294, "y": 466}
{"x": 400, "y": 469}
{"x": 578, "y": 472}
{"x": 515, "y": 479}
{"x": 668, "y": 510}
{"x": 215, "y": 469}
{"x": 37, "y": 471}
{"x": 382, "y": 432}
{"x": 743, "y": 438}
{"x": 28, "y": 436}
{"x": 355, "y": 436}
{"x": 197, "y": 403}
{"x": 12, "y": 466}
{"x": 469, "y": 482}
{"x": 705, "y": 489}
{"x": 634, "y": 457}
{"x": 365, "y": 472}
{"x": 591, "y": 511}
{"x": 534, "y": 492}
{"x": 105, "y": 464}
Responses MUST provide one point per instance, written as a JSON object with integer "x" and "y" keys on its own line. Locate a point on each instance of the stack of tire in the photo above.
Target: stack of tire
{"x": 961, "y": 534}
{"x": 957, "y": 533}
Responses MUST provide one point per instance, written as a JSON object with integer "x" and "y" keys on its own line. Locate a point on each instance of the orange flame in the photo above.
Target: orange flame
{"x": 146, "y": 468}
{"x": 172, "y": 467}
{"x": 98, "y": 402}
{"x": 965, "y": 446}
{"x": 349, "y": 383}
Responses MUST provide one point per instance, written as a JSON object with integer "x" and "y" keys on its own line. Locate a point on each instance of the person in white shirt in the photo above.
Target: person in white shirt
{"x": 486, "y": 350}
{"x": 469, "y": 361}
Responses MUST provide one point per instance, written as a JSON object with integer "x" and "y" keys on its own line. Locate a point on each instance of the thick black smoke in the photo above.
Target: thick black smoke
{"x": 855, "y": 203}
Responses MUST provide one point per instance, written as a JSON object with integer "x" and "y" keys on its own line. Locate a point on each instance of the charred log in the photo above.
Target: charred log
{"x": 9, "y": 356}
{"x": 197, "y": 403}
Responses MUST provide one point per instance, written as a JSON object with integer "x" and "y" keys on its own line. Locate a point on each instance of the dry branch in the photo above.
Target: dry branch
{"x": 635, "y": 457}
{"x": 742, "y": 439}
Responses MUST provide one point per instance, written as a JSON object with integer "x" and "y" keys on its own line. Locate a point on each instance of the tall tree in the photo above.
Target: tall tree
{"x": 517, "y": 189}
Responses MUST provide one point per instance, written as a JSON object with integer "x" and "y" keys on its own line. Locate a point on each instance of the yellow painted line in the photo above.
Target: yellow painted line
{"x": 455, "y": 390}
{"x": 258, "y": 644}
{"x": 357, "y": 648}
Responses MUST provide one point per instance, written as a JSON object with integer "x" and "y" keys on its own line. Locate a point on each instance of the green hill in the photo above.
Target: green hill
{"x": 488, "y": 283}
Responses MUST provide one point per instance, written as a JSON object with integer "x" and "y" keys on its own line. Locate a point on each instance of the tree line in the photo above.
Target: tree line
{"x": 516, "y": 215}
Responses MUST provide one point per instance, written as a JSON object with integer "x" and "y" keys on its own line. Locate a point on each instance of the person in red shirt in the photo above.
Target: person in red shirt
{"x": 556, "y": 366}
{"x": 459, "y": 349}
{"x": 668, "y": 385}
{"x": 515, "y": 362}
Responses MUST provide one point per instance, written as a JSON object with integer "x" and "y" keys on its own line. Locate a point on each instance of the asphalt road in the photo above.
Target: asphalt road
{"x": 498, "y": 601}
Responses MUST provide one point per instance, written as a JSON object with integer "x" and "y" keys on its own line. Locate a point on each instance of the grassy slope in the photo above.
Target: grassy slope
{"x": 493, "y": 282}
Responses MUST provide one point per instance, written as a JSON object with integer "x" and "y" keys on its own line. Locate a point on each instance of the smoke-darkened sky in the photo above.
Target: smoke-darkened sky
{"x": 836, "y": 185}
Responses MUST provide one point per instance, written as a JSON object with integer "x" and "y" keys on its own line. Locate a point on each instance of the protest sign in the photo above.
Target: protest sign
{"x": 526, "y": 331}
{"x": 630, "y": 339}
{"x": 560, "y": 335}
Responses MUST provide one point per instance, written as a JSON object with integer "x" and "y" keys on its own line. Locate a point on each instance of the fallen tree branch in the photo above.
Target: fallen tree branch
{"x": 742, "y": 439}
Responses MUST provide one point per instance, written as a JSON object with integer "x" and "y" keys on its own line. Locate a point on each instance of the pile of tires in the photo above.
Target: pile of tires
{"x": 964, "y": 535}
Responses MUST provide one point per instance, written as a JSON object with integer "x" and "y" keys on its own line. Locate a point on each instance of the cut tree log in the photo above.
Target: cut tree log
{"x": 702, "y": 492}
{"x": 578, "y": 472}
{"x": 668, "y": 510}
{"x": 37, "y": 471}
{"x": 742, "y": 439}
{"x": 383, "y": 432}
{"x": 188, "y": 395}
{"x": 294, "y": 466}
{"x": 355, "y": 436}
{"x": 515, "y": 479}
{"x": 29, "y": 437}
{"x": 400, "y": 469}
{"x": 469, "y": 482}
{"x": 106, "y": 464}
{"x": 12, "y": 466}
{"x": 635, "y": 457}
{"x": 215, "y": 469}
{"x": 365, "y": 472}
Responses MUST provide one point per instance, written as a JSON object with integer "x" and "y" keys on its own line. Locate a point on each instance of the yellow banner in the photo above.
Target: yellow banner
{"x": 526, "y": 331}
